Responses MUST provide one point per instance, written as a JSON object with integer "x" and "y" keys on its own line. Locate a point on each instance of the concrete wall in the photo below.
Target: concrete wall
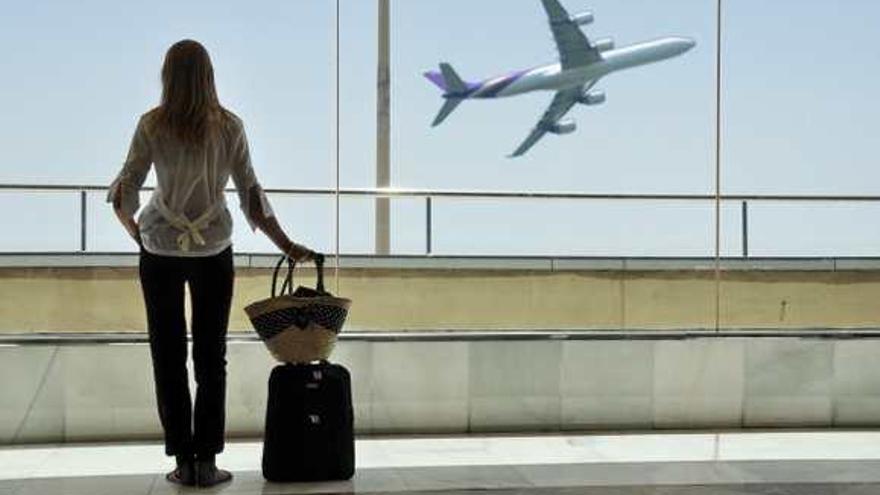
{"x": 55, "y": 393}
{"x": 94, "y": 294}
{"x": 66, "y": 390}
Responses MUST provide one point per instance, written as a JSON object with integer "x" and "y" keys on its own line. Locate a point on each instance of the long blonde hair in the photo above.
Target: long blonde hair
{"x": 190, "y": 109}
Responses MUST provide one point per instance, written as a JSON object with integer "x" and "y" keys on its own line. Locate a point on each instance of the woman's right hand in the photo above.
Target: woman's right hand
{"x": 128, "y": 222}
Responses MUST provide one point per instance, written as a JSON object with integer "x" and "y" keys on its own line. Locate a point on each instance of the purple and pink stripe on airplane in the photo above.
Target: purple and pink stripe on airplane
{"x": 489, "y": 88}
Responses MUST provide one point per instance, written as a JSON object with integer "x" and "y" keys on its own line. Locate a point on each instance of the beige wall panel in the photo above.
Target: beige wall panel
{"x": 70, "y": 300}
{"x": 669, "y": 300}
{"x": 109, "y": 300}
{"x": 432, "y": 299}
{"x": 800, "y": 299}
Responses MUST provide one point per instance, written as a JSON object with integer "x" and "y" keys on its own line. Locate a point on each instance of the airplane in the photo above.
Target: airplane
{"x": 581, "y": 64}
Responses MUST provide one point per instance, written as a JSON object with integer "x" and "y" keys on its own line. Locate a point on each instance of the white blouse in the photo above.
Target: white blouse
{"x": 187, "y": 213}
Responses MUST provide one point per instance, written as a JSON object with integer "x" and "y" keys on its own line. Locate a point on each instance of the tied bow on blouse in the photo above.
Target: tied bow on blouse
{"x": 191, "y": 229}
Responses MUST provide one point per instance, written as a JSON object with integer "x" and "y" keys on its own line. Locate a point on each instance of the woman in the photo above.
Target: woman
{"x": 184, "y": 237}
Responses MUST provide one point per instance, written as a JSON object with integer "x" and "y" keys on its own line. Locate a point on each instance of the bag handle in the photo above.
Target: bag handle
{"x": 287, "y": 285}
{"x": 319, "y": 267}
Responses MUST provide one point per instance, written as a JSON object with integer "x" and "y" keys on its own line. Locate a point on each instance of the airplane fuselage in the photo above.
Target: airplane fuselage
{"x": 554, "y": 78}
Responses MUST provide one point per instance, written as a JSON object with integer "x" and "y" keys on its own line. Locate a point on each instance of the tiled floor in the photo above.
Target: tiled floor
{"x": 802, "y": 463}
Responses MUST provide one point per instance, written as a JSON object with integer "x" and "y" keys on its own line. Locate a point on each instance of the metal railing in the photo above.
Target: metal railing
{"x": 429, "y": 195}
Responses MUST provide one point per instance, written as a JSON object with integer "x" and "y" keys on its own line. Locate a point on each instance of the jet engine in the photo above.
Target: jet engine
{"x": 592, "y": 98}
{"x": 604, "y": 44}
{"x": 582, "y": 19}
{"x": 563, "y": 127}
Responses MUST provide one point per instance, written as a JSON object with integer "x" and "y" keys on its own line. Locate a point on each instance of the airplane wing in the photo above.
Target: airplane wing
{"x": 575, "y": 49}
{"x": 562, "y": 103}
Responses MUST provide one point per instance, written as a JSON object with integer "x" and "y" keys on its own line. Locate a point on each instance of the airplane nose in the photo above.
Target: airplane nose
{"x": 687, "y": 44}
{"x": 679, "y": 45}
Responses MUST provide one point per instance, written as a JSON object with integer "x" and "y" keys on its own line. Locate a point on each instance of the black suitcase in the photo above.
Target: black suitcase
{"x": 309, "y": 432}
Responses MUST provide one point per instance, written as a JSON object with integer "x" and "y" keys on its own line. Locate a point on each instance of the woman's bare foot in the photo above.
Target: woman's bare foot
{"x": 208, "y": 474}
{"x": 184, "y": 474}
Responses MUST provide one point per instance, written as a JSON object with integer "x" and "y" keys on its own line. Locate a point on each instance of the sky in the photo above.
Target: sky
{"x": 798, "y": 97}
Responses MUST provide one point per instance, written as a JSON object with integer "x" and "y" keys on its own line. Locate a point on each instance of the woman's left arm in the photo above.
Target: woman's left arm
{"x": 124, "y": 192}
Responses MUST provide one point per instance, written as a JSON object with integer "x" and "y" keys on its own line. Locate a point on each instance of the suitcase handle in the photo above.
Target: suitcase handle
{"x": 287, "y": 285}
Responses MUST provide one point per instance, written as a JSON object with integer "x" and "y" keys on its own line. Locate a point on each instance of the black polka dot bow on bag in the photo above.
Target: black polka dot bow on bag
{"x": 299, "y": 326}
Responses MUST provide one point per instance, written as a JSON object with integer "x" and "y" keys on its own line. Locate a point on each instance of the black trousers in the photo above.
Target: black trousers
{"x": 187, "y": 431}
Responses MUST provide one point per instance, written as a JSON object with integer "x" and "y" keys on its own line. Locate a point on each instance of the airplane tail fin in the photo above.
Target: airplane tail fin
{"x": 454, "y": 84}
{"x": 447, "y": 80}
{"x": 454, "y": 87}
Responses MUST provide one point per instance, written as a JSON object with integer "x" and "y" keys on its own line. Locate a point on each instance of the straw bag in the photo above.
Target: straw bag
{"x": 299, "y": 326}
